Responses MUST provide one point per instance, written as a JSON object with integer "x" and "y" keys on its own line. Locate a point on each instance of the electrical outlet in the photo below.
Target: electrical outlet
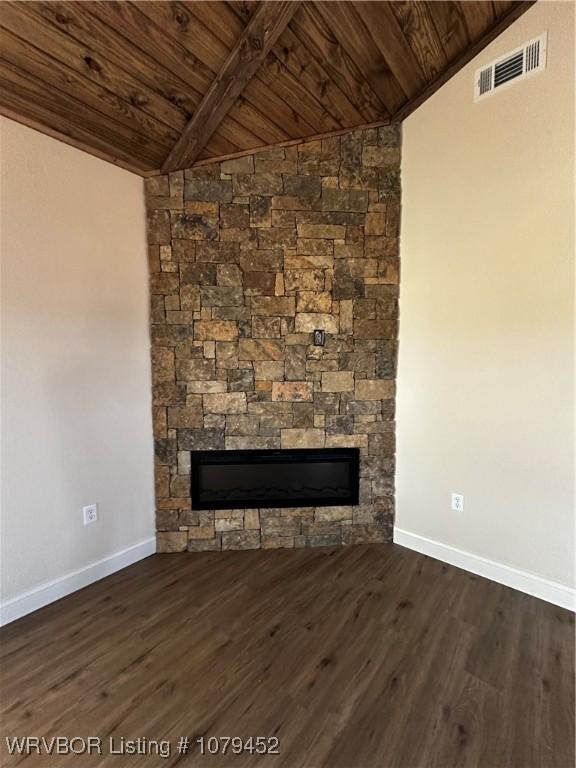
{"x": 457, "y": 502}
{"x": 90, "y": 513}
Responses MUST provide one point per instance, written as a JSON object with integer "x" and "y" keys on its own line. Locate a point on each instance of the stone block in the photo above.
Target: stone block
{"x": 209, "y": 210}
{"x": 381, "y": 247}
{"x": 229, "y": 523}
{"x": 217, "y": 296}
{"x": 190, "y": 298}
{"x": 195, "y": 370}
{"x": 304, "y": 279}
{"x": 164, "y": 283}
{"x": 169, "y": 394}
{"x": 231, "y": 402}
{"x": 309, "y": 322}
{"x": 382, "y": 443}
{"x": 226, "y": 354}
{"x": 188, "y": 517}
{"x": 157, "y": 186}
{"x": 217, "y": 330}
{"x": 295, "y": 362}
{"x": 351, "y": 200}
{"x": 292, "y": 391}
{"x": 325, "y": 540}
{"x": 202, "y": 273}
{"x": 280, "y": 526}
{"x": 340, "y": 424}
{"x": 195, "y": 388}
{"x": 278, "y": 542}
{"x": 260, "y": 211}
{"x": 346, "y": 284}
{"x": 165, "y": 451}
{"x": 158, "y": 222}
{"x": 167, "y": 520}
{"x": 283, "y": 218}
{"x": 302, "y": 438}
{"x": 214, "y": 421}
{"x": 217, "y": 253}
{"x": 303, "y": 415}
{"x": 200, "y": 439}
{"x": 278, "y": 306}
{"x": 257, "y": 184}
{"x": 313, "y": 247}
{"x": 159, "y": 423}
{"x": 332, "y": 514}
{"x": 242, "y": 425}
{"x": 337, "y": 381}
{"x": 260, "y": 349}
{"x": 380, "y": 328}
{"x": 381, "y": 157}
{"x": 180, "y": 487}
{"x": 389, "y": 183}
{"x": 241, "y": 380}
{"x": 171, "y": 541}
{"x": 302, "y": 186}
{"x": 238, "y": 165}
{"x": 205, "y": 189}
{"x": 205, "y": 545}
{"x": 259, "y": 283}
{"x": 277, "y": 160}
{"x": 269, "y": 260}
{"x": 346, "y": 317}
{"x": 346, "y": 441}
{"x": 179, "y": 417}
{"x": 233, "y": 216}
{"x": 234, "y": 443}
{"x": 375, "y": 224}
{"x": 367, "y": 534}
{"x": 251, "y": 519}
{"x": 390, "y": 135}
{"x": 276, "y": 237}
{"x": 228, "y": 275}
{"x": 313, "y": 301}
{"x": 327, "y": 231}
{"x": 162, "y": 365}
{"x": 241, "y": 540}
{"x": 349, "y": 250}
{"x": 374, "y": 389}
{"x": 193, "y": 226}
{"x": 269, "y": 370}
{"x": 265, "y": 327}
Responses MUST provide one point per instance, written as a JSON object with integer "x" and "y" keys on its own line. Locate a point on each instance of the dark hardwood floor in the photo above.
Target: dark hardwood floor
{"x": 354, "y": 657}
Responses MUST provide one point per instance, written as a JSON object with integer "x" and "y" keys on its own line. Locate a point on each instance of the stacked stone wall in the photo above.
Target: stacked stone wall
{"x": 247, "y": 258}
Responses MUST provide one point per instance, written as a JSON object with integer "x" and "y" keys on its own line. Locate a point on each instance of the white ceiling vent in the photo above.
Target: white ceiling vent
{"x": 514, "y": 66}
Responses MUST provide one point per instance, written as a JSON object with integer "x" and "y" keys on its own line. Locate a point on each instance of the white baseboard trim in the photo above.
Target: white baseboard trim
{"x": 523, "y": 581}
{"x": 47, "y": 593}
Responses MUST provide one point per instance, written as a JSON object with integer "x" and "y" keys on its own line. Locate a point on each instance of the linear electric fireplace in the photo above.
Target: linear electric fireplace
{"x": 314, "y": 477}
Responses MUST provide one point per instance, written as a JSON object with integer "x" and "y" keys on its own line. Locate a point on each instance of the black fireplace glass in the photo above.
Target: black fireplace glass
{"x": 304, "y": 477}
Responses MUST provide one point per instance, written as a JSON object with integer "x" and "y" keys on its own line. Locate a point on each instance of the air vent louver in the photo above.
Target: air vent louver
{"x": 515, "y": 65}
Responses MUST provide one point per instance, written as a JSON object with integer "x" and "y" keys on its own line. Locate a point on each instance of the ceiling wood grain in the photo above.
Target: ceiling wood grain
{"x": 158, "y": 84}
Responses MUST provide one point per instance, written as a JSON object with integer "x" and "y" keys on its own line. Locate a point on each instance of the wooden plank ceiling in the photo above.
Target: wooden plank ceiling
{"x": 150, "y": 85}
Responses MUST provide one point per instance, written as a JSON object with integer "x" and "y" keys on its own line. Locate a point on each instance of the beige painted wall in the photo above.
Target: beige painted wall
{"x": 486, "y": 387}
{"x": 76, "y": 413}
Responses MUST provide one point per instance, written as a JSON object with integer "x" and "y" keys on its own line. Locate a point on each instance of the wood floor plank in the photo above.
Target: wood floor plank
{"x": 360, "y": 657}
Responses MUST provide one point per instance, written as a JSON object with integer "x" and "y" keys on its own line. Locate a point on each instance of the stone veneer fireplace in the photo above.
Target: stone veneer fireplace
{"x": 248, "y": 257}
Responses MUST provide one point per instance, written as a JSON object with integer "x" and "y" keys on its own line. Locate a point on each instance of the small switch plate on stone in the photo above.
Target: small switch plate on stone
{"x": 319, "y": 338}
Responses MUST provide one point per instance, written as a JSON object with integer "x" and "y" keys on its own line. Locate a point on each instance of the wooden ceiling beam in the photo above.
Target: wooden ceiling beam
{"x": 264, "y": 28}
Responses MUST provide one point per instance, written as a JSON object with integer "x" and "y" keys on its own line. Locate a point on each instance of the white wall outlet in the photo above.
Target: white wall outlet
{"x": 457, "y": 502}
{"x": 90, "y": 513}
